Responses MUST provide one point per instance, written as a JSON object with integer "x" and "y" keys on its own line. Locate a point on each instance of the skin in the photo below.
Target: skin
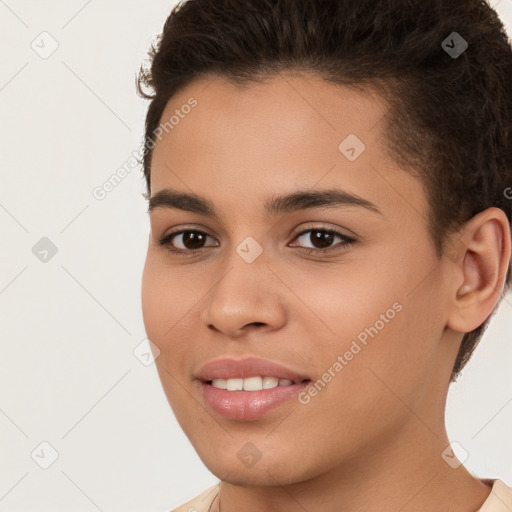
{"x": 372, "y": 439}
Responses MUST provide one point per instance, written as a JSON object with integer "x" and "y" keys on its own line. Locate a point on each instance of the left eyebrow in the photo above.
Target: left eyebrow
{"x": 276, "y": 205}
{"x": 305, "y": 199}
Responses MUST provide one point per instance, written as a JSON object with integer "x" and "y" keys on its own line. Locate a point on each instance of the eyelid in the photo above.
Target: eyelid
{"x": 345, "y": 244}
{"x": 170, "y": 235}
{"x": 323, "y": 226}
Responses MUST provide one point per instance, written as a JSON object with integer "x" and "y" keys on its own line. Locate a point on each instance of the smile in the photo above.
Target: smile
{"x": 249, "y": 388}
{"x": 251, "y": 383}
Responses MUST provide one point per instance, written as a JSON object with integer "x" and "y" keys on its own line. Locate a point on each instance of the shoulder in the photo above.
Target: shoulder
{"x": 201, "y": 502}
{"x": 500, "y": 499}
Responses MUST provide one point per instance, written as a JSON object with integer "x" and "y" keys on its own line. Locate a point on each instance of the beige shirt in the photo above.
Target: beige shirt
{"x": 500, "y": 499}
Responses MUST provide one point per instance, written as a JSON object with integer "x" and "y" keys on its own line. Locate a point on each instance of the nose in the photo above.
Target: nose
{"x": 247, "y": 297}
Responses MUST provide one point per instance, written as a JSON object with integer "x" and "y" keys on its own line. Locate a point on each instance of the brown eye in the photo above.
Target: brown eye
{"x": 322, "y": 239}
{"x": 185, "y": 241}
{"x": 191, "y": 239}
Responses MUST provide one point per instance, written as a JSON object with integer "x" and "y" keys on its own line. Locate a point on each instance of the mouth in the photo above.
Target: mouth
{"x": 256, "y": 383}
{"x": 248, "y": 389}
{"x": 249, "y": 368}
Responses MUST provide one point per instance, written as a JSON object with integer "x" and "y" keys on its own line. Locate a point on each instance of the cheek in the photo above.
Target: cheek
{"x": 152, "y": 297}
{"x": 344, "y": 300}
{"x": 164, "y": 297}
{"x": 163, "y": 305}
{"x": 162, "y": 308}
{"x": 367, "y": 315}
{"x": 169, "y": 307}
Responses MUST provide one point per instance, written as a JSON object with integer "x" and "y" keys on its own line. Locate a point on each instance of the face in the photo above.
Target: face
{"x": 342, "y": 291}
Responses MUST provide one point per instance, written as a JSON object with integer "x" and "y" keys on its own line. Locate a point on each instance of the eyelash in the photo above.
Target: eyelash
{"x": 348, "y": 242}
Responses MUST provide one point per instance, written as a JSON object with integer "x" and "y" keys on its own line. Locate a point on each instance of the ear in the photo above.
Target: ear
{"x": 480, "y": 255}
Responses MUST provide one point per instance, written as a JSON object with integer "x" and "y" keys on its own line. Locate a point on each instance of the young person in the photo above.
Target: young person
{"x": 330, "y": 207}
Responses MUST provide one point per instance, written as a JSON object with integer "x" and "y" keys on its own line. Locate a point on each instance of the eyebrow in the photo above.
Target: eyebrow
{"x": 276, "y": 205}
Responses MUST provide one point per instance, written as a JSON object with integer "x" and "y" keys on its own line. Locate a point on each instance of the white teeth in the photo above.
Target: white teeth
{"x": 250, "y": 383}
{"x": 235, "y": 384}
{"x": 220, "y": 383}
{"x": 253, "y": 384}
{"x": 270, "y": 382}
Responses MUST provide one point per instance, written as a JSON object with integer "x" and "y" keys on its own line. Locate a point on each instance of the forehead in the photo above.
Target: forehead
{"x": 288, "y": 132}
{"x": 285, "y": 118}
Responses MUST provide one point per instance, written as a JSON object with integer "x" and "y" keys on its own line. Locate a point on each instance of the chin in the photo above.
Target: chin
{"x": 246, "y": 467}
{"x": 258, "y": 475}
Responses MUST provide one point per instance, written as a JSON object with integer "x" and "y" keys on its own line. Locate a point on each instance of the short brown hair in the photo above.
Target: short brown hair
{"x": 450, "y": 116}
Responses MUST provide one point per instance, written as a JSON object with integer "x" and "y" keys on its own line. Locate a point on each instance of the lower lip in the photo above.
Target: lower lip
{"x": 248, "y": 405}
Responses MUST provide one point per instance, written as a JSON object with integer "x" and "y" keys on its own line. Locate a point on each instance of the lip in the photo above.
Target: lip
{"x": 247, "y": 405}
{"x": 248, "y": 367}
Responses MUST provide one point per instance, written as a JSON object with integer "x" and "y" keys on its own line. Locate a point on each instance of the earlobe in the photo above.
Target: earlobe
{"x": 483, "y": 263}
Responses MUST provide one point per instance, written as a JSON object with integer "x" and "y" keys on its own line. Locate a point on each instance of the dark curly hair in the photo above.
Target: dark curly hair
{"x": 450, "y": 116}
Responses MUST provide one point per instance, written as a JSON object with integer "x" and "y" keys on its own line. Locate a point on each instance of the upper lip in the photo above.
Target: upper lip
{"x": 249, "y": 367}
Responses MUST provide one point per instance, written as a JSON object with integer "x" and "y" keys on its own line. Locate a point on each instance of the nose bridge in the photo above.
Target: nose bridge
{"x": 243, "y": 281}
{"x": 248, "y": 247}
{"x": 244, "y": 294}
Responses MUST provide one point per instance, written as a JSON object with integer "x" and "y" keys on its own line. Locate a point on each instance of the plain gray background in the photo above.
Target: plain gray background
{"x": 70, "y": 324}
